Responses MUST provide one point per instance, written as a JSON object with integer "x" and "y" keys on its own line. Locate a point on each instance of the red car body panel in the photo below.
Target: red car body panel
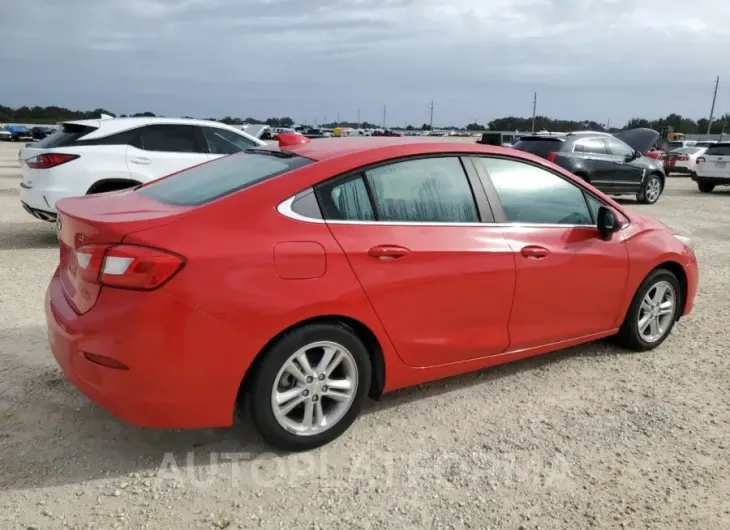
{"x": 463, "y": 298}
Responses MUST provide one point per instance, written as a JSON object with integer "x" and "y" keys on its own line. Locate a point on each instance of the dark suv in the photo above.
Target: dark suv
{"x": 616, "y": 165}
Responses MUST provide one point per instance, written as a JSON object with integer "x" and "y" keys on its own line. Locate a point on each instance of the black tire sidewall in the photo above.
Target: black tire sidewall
{"x": 631, "y": 324}
{"x": 260, "y": 397}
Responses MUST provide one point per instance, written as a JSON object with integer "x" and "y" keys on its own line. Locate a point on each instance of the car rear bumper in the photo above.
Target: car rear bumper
{"x": 184, "y": 368}
{"x": 719, "y": 180}
{"x": 40, "y": 199}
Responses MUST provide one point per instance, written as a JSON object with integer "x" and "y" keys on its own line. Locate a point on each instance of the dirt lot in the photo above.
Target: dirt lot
{"x": 588, "y": 437}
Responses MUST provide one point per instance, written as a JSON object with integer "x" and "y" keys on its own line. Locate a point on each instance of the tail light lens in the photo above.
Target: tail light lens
{"x": 49, "y": 160}
{"x": 127, "y": 266}
{"x": 552, "y": 156}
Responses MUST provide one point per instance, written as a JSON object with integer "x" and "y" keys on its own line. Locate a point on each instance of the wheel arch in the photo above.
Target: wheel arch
{"x": 114, "y": 184}
{"x": 678, "y": 271}
{"x": 363, "y": 332}
{"x": 662, "y": 177}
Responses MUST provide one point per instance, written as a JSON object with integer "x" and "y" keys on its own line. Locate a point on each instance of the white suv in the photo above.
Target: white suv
{"x": 96, "y": 156}
{"x": 713, "y": 168}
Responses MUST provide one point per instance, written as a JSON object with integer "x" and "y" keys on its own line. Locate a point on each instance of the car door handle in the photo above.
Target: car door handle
{"x": 140, "y": 160}
{"x": 387, "y": 252}
{"x": 535, "y": 252}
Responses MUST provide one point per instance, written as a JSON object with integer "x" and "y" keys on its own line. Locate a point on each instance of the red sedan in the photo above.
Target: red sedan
{"x": 302, "y": 280}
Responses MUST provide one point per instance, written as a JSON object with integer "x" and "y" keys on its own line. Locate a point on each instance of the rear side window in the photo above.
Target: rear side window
{"x": 591, "y": 145}
{"x": 539, "y": 147}
{"x": 170, "y": 139}
{"x": 223, "y": 176}
{"x": 225, "y": 142}
{"x": 349, "y": 201}
{"x": 431, "y": 190}
{"x": 66, "y": 135}
{"x": 718, "y": 150}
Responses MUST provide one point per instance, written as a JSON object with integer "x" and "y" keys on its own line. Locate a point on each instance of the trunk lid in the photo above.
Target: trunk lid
{"x": 101, "y": 219}
{"x": 641, "y": 139}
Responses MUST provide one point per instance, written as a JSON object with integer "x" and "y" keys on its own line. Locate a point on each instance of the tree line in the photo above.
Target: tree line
{"x": 676, "y": 122}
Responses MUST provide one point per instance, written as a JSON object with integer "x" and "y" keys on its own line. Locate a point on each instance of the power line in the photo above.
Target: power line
{"x": 712, "y": 109}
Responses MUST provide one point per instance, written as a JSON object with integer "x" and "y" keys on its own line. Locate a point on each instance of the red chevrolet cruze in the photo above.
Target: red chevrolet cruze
{"x": 302, "y": 279}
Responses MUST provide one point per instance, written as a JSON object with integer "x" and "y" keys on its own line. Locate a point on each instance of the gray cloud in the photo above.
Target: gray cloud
{"x": 477, "y": 59}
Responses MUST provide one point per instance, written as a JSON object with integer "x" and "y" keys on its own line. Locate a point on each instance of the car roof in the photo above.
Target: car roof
{"x": 327, "y": 148}
{"x": 109, "y": 126}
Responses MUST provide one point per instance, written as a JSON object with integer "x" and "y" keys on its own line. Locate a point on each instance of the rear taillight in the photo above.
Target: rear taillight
{"x": 127, "y": 266}
{"x": 49, "y": 160}
{"x": 683, "y": 158}
{"x": 552, "y": 156}
{"x": 700, "y": 159}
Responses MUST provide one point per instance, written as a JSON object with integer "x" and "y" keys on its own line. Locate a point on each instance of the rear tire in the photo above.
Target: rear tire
{"x": 651, "y": 315}
{"x": 325, "y": 397}
{"x": 651, "y": 190}
{"x": 705, "y": 187}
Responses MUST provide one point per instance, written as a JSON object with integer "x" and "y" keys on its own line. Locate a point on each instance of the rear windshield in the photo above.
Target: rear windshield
{"x": 675, "y": 145}
{"x": 686, "y": 150}
{"x": 718, "y": 150}
{"x": 207, "y": 182}
{"x": 540, "y": 147}
{"x": 66, "y": 135}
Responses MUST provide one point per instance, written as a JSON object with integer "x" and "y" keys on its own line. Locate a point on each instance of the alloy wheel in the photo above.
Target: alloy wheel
{"x": 314, "y": 388}
{"x": 653, "y": 189}
{"x": 656, "y": 312}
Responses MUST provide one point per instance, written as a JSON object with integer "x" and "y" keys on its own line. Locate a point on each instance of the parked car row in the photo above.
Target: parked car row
{"x": 15, "y": 133}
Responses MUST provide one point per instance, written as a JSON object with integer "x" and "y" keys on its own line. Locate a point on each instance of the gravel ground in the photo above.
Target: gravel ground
{"x": 588, "y": 437}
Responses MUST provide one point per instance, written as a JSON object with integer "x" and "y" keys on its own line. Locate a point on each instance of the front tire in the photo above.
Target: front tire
{"x": 652, "y": 313}
{"x": 310, "y": 387}
{"x": 705, "y": 187}
{"x": 651, "y": 190}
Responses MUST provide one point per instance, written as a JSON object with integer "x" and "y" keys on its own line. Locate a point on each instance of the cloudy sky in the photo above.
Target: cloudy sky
{"x": 311, "y": 59}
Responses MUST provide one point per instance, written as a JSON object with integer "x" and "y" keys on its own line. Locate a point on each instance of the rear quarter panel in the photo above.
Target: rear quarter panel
{"x": 232, "y": 273}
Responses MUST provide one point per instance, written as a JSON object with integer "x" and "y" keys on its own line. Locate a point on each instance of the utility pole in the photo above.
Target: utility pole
{"x": 383, "y": 116}
{"x": 325, "y": 120}
{"x": 430, "y": 122}
{"x": 358, "y": 118}
{"x": 712, "y": 110}
{"x": 534, "y": 110}
{"x": 338, "y": 119}
{"x": 608, "y": 124}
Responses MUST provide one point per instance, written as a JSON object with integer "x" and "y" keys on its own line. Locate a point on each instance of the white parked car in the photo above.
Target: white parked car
{"x": 713, "y": 168}
{"x": 5, "y": 135}
{"x": 683, "y": 160}
{"x": 110, "y": 154}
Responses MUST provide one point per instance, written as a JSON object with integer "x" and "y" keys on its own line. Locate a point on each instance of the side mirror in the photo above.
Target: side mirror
{"x": 633, "y": 156}
{"x": 607, "y": 223}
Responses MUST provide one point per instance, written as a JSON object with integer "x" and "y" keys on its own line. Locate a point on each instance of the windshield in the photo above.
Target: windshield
{"x": 686, "y": 150}
{"x": 675, "y": 145}
{"x": 223, "y": 176}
